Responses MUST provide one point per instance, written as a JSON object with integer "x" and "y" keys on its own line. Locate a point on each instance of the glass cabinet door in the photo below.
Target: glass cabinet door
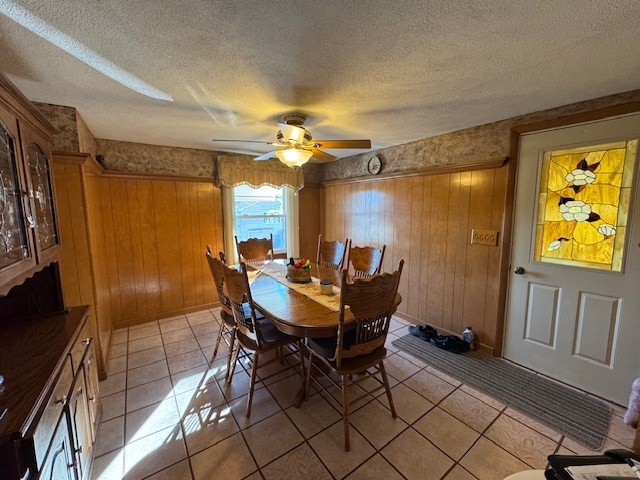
{"x": 14, "y": 246}
{"x": 42, "y": 197}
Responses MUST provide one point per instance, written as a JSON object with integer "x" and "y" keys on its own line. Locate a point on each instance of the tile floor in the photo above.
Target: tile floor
{"x": 168, "y": 414}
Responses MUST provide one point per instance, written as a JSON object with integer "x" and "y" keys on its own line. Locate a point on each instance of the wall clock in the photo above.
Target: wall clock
{"x": 374, "y": 166}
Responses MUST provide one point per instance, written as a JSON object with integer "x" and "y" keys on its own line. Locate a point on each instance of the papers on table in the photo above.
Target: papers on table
{"x": 593, "y": 472}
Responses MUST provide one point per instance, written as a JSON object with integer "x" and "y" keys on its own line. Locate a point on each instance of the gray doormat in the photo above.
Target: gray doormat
{"x": 574, "y": 414}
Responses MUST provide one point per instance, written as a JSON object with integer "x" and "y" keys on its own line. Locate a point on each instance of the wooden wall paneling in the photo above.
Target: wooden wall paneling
{"x": 185, "y": 243}
{"x": 211, "y": 228}
{"x": 438, "y": 248}
{"x": 461, "y": 245}
{"x": 478, "y": 255}
{"x": 453, "y": 231}
{"x": 310, "y": 219}
{"x": 424, "y": 221}
{"x": 168, "y": 239}
{"x": 390, "y": 220}
{"x": 110, "y": 248}
{"x": 124, "y": 253}
{"x": 132, "y": 211}
{"x": 491, "y": 320}
{"x": 374, "y": 214}
{"x": 413, "y": 264}
{"x": 198, "y": 210}
{"x": 149, "y": 245}
{"x": 402, "y": 239}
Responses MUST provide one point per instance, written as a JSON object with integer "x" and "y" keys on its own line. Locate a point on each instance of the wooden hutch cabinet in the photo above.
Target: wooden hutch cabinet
{"x": 49, "y": 400}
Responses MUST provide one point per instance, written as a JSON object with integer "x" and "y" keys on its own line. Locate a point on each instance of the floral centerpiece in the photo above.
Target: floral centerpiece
{"x": 299, "y": 271}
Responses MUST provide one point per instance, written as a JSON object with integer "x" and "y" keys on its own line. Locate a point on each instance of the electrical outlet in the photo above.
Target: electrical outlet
{"x": 484, "y": 237}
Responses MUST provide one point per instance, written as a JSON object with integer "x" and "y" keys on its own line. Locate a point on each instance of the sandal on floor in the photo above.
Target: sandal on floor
{"x": 425, "y": 332}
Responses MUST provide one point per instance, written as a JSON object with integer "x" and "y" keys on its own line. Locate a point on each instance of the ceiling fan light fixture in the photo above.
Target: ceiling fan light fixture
{"x": 294, "y": 157}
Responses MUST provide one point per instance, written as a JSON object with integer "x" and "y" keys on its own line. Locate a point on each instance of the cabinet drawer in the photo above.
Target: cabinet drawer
{"x": 52, "y": 413}
{"x": 79, "y": 347}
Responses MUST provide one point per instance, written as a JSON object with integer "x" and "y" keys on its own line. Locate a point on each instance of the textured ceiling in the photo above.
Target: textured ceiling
{"x": 181, "y": 73}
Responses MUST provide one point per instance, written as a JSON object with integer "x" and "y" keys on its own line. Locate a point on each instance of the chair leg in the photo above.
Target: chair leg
{"x": 230, "y": 355}
{"x": 345, "y": 412}
{"x": 388, "y": 390}
{"x": 215, "y": 350}
{"x": 299, "y": 347}
{"x": 254, "y": 369}
{"x": 233, "y": 363}
{"x": 308, "y": 380}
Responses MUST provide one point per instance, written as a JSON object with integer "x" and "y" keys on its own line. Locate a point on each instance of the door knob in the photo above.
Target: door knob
{"x": 519, "y": 271}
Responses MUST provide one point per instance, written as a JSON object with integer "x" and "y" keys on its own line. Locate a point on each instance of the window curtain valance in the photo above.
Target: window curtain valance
{"x": 236, "y": 170}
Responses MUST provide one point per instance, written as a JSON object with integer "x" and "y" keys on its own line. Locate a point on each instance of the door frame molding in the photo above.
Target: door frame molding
{"x": 507, "y": 219}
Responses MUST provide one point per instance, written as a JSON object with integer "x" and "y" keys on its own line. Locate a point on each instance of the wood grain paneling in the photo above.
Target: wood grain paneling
{"x": 310, "y": 213}
{"x": 155, "y": 235}
{"x": 427, "y": 220}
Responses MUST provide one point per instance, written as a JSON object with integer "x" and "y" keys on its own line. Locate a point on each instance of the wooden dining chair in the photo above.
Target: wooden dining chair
{"x": 255, "y": 249}
{"x": 366, "y": 261}
{"x": 257, "y": 336}
{"x": 359, "y": 345}
{"x": 331, "y": 253}
{"x": 227, "y": 331}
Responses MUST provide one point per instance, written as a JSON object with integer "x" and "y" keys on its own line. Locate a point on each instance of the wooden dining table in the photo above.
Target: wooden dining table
{"x": 294, "y": 313}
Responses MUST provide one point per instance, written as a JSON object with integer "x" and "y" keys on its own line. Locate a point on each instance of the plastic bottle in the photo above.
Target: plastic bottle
{"x": 469, "y": 337}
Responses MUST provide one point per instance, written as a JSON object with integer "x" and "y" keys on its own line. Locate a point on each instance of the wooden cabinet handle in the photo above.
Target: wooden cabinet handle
{"x": 86, "y": 341}
{"x": 62, "y": 400}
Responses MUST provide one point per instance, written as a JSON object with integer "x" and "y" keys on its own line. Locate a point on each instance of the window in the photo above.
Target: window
{"x": 258, "y": 212}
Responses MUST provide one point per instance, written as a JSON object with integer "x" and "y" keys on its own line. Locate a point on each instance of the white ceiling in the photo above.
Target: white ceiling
{"x": 181, "y": 73}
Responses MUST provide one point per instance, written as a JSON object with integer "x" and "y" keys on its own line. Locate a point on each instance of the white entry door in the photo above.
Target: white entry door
{"x": 573, "y": 310}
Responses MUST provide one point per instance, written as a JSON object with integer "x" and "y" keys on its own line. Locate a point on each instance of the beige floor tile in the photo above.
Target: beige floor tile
{"x": 621, "y": 432}
{"x": 487, "y": 461}
{"x": 415, "y": 360}
{"x": 429, "y": 386}
{"x": 314, "y": 415}
{"x": 172, "y": 325}
{"x": 415, "y": 457}
{"x": 179, "y": 471}
{"x": 409, "y": 405}
{"x": 113, "y": 384}
{"x": 399, "y": 368}
{"x": 492, "y": 402}
{"x": 205, "y": 425}
{"x": 475, "y": 413}
{"x": 230, "y": 459}
{"x": 388, "y": 344}
{"x": 151, "y": 419}
{"x": 580, "y": 449}
{"x": 200, "y": 318}
{"x": 177, "y": 335}
{"x": 209, "y": 329}
{"x": 375, "y": 467}
{"x": 117, "y": 365}
{"x": 153, "y": 453}
{"x": 205, "y": 396}
{"x": 191, "y": 379}
{"x": 112, "y": 405}
{"x": 147, "y": 373}
{"x": 523, "y": 442}
{"x": 263, "y": 406}
{"x": 459, "y": 473}
{"x": 186, "y": 361}
{"x": 398, "y": 327}
{"x": 299, "y": 463}
{"x": 144, "y": 343}
{"x": 261, "y": 438}
{"x": 143, "y": 325}
{"x": 180, "y": 347}
{"x": 447, "y": 432}
{"x": 285, "y": 390}
{"x": 442, "y": 375}
{"x": 148, "y": 394}
{"x": 375, "y": 422}
{"x": 110, "y": 436}
{"x": 109, "y": 466}
{"x": 238, "y": 387}
{"x": 145, "y": 357}
{"x": 209, "y": 340}
{"x": 142, "y": 332}
{"x": 329, "y": 446}
{"x": 119, "y": 337}
{"x": 117, "y": 350}
{"x": 171, "y": 319}
{"x": 537, "y": 426}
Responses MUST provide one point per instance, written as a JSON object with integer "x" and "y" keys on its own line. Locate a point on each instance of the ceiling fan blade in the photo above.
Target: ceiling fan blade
{"x": 342, "y": 143}
{"x": 322, "y": 156}
{"x": 243, "y": 141}
{"x": 266, "y": 156}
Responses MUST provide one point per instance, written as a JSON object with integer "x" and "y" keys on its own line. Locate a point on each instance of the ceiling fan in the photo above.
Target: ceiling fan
{"x": 295, "y": 145}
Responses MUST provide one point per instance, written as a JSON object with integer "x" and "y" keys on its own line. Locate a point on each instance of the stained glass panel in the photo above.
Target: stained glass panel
{"x": 583, "y": 204}
{"x": 43, "y": 195}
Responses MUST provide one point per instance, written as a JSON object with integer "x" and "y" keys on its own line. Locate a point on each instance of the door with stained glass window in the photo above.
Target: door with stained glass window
{"x": 573, "y": 304}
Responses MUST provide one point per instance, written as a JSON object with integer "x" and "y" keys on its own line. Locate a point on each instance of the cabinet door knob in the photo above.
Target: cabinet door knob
{"x": 86, "y": 341}
{"x": 62, "y": 400}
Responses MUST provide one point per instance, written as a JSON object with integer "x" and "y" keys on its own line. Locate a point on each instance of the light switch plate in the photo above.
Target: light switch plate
{"x": 484, "y": 237}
